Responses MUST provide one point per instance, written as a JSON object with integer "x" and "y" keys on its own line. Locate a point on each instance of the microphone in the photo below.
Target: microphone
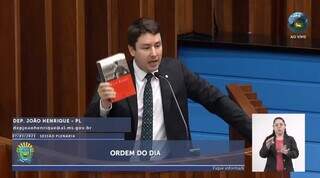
{"x": 158, "y": 75}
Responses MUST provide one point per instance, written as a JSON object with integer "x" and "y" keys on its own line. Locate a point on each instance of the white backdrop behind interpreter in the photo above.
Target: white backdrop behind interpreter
{"x": 262, "y": 127}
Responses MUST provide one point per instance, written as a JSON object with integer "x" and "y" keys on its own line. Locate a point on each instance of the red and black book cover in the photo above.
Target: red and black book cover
{"x": 115, "y": 70}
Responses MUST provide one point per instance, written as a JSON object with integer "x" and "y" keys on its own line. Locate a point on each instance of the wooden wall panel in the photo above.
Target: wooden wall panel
{"x": 185, "y": 13}
{"x": 67, "y": 59}
{"x": 231, "y": 18}
{"x": 49, "y": 57}
{"x": 121, "y": 13}
{"x": 8, "y": 59}
{"x": 165, "y": 11}
{"x": 267, "y": 21}
{"x": 260, "y": 16}
{"x": 49, "y": 174}
{"x": 81, "y": 62}
{"x": 315, "y": 17}
{"x": 147, "y": 8}
{"x": 33, "y": 58}
{"x": 240, "y": 17}
{"x": 64, "y": 57}
{"x": 48, "y": 15}
{"x": 280, "y": 20}
{"x": 203, "y": 16}
{"x": 113, "y": 26}
{"x": 21, "y": 40}
{"x": 96, "y": 41}
{"x": 29, "y": 174}
{"x": 223, "y": 14}
{"x": 129, "y": 10}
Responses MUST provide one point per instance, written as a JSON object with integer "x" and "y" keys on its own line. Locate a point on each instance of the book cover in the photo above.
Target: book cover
{"x": 115, "y": 70}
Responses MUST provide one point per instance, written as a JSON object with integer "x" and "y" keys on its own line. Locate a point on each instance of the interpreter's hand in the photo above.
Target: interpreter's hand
{"x": 106, "y": 93}
{"x": 284, "y": 150}
{"x": 269, "y": 142}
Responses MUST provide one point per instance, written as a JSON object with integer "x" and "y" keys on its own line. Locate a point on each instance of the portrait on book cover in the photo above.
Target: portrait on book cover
{"x": 120, "y": 69}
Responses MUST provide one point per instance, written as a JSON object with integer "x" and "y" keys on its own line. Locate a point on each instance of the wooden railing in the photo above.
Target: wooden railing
{"x": 244, "y": 96}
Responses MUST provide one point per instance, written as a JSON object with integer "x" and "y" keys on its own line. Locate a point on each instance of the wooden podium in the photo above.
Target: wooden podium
{"x": 241, "y": 94}
{"x": 5, "y": 157}
{"x": 5, "y": 169}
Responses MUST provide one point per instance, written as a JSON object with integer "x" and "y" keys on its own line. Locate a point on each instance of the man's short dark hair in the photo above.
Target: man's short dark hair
{"x": 139, "y": 27}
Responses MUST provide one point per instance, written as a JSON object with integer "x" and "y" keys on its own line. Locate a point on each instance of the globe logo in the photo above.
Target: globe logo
{"x": 297, "y": 22}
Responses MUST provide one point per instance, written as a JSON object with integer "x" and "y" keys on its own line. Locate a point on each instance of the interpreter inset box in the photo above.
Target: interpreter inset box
{"x": 278, "y": 142}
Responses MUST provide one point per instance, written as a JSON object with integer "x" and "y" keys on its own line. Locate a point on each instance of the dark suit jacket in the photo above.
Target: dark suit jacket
{"x": 185, "y": 85}
{"x": 271, "y": 154}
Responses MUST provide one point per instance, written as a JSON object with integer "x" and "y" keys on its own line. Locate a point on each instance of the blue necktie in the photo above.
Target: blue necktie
{"x": 147, "y": 117}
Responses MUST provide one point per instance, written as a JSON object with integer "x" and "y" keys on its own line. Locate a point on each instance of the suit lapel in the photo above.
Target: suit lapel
{"x": 165, "y": 94}
{"x": 132, "y": 101}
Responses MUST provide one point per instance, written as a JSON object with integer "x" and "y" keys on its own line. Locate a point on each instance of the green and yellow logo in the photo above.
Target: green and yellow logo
{"x": 25, "y": 152}
{"x": 297, "y": 22}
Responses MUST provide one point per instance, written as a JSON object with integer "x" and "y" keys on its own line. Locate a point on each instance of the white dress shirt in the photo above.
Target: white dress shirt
{"x": 159, "y": 131}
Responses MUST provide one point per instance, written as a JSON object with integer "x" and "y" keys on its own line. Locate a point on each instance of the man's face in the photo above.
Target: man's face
{"x": 148, "y": 52}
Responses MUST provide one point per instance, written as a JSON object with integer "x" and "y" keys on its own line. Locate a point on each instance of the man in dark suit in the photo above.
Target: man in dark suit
{"x": 159, "y": 118}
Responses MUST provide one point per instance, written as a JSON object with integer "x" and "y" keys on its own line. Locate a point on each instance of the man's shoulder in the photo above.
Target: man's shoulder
{"x": 171, "y": 67}
{"x": 170, "y": 62}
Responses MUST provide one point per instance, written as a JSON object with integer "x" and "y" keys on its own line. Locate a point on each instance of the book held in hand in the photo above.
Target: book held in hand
{"x": 115, "y": 70}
